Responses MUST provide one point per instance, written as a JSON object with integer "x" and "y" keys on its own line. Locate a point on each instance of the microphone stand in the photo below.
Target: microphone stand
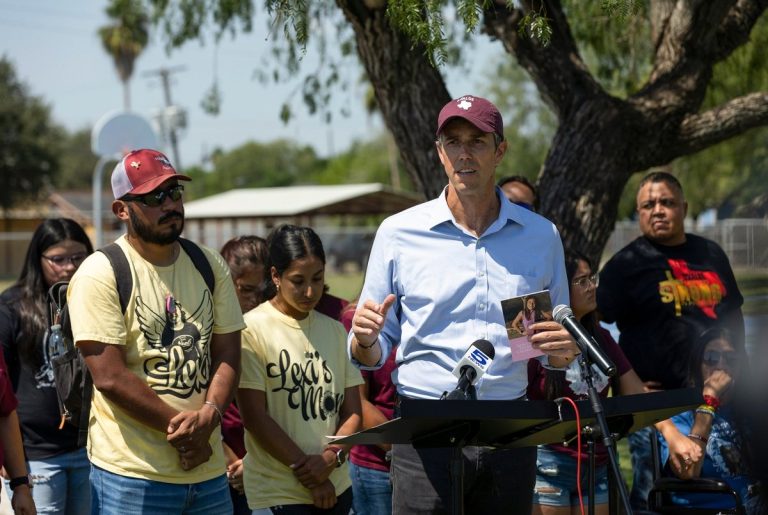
{"x": 457, "y": 449}
{"x": 597, "y": 407}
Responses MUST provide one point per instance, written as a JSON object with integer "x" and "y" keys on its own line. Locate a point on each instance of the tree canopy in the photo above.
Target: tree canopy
{"x": 125, "y": 39}
{"x": 609, "y": 124}
{"x": 30, "y": 140}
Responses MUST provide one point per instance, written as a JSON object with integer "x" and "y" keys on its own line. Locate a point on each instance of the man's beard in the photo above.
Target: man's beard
{"x": 150, "y": 235}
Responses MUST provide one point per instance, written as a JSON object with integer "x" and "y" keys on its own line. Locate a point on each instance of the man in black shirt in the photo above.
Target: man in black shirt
{"x": 662, "y": 290}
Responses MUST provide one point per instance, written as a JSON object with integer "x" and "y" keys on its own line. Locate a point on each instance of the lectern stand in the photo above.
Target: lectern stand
{"x": 433, "y": 423}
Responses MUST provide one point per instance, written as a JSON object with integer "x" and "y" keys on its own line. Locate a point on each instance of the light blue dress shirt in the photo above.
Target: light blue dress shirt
{"x": 449, "y": 286}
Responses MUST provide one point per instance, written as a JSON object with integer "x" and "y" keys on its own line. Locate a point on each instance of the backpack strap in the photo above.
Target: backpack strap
{"x": 198, "y": 258}
{"x": 122, "y": 270}
{"x": 124, "y": 279}
{"x": 85, "y": 413}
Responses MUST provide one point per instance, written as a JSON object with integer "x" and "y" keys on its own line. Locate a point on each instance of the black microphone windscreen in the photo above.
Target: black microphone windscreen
{"x": 486, "y": 347}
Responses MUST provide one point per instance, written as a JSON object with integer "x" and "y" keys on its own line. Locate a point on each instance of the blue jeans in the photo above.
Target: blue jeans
{"x": 60, "y": 483}
{"x": 113, "y": 494}
{"x": 371, "y": 491}
{"x": 556, "y": 480}
{"x": 642, "y": 467}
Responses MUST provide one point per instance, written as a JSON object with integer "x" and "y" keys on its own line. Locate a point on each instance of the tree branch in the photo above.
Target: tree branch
{"x": 687, "y": 34}
{"x": 560, "y": 75}
{"x": 409, "y": 91}
{"x": 699, "y": 131}
{"x": 738, "y": 24}
{"x": 685, "y": 55}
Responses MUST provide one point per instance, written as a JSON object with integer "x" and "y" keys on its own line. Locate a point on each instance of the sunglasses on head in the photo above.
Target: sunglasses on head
{"x": 157, "y": 197}
{"x": 712, "y": 358}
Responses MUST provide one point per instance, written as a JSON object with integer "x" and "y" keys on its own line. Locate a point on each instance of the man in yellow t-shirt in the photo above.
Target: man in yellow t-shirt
{"x": 165, "y": 369}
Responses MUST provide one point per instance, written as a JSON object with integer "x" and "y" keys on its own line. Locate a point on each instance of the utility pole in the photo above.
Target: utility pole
{"x": 171, "y": 111}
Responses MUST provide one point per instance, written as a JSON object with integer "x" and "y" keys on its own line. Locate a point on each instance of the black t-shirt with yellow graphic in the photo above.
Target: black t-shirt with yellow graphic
{"x": 662, "y": 297}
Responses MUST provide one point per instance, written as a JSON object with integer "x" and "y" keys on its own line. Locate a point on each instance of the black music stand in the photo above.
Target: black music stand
{"x": 508, "y": 424}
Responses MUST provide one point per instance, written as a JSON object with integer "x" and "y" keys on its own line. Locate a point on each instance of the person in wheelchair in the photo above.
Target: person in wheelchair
{"x": 717, "y": 425}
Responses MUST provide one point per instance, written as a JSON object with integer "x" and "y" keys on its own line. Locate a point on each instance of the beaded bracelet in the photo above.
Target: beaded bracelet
{"x": 700, "y": 438}
{"x": 707, "y": 409}
{"x": 711, "y": 400}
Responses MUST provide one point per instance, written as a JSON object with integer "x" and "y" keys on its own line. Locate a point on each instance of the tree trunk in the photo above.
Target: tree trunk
{"x": 601, "y": 140}
{"x": 409, "y": 90}
{"x": 584, "y": 174}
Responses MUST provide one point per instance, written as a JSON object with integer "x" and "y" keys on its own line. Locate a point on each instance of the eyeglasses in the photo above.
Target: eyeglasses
{"x": 74, "y": 259}
{"x": 157, "y": 197}
{"x": 712, "y": 358}
{"x": 584, "y": 282}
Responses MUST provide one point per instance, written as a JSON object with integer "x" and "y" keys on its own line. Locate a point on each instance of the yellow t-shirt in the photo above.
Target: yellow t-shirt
{"x": 167, "y": 348}
{"x": 302, "y": 367}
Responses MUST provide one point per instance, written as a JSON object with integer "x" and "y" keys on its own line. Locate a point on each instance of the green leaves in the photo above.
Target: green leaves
{"x": 30, "y": 141}
{"x": 535, "y": 24}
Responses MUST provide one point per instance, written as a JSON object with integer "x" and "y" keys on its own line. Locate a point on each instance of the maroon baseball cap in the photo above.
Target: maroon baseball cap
{"x": 141, "y": 171}
{"x": 477, "y": 111}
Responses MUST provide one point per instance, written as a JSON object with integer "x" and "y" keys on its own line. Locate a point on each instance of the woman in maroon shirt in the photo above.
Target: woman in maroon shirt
{"x": 556, "y": 490}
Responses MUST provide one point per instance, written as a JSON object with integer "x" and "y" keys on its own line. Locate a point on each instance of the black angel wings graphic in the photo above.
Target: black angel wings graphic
{"x": 183, "y": 365}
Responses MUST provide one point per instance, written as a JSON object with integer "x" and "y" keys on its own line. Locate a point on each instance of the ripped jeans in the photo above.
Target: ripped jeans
{"x": 60, "y": 483}
{"x": 556, "y": 480}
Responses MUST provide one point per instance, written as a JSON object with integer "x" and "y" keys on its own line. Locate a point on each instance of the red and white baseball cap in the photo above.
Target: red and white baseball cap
{"x": 478, "y": 111}
{"x": 141, "y": 171}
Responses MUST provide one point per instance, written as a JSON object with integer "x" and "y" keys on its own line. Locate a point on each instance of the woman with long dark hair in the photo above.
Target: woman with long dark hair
{"x": 556, "y": 490}
{"x": 718, "y": 426}
{"x": 297, "y": 387}
{"x": 58, "y": 468}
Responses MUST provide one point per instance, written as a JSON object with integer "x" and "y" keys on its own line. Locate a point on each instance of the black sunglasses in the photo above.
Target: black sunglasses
{"x": 712, "y": 358}
{"x": 157, "y": 197}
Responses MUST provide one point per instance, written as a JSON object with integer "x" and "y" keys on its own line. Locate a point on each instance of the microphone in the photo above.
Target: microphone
{"x": 470, "y": 369}
{"x": 564, "y": 316}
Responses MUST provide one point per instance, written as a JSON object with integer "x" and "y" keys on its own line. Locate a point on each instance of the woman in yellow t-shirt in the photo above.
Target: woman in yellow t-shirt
{"x": 297, "y": 387}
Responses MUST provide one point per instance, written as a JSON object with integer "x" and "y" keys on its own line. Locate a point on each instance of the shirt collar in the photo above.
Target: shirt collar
{"x": 507, "y": 212}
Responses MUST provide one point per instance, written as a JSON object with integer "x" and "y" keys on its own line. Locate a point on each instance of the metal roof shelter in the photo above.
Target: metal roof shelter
{"x": 292, "y": 201}
{"x": 215, "y": 219}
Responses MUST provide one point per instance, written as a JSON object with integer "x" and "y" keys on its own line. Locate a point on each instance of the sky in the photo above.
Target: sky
{"x": 56, "y": 52}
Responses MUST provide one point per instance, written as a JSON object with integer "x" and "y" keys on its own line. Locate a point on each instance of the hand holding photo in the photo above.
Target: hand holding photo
{"x": 519, "y": 314}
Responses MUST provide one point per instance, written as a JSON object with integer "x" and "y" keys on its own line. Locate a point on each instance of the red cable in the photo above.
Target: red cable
{"x": 578, "y": 449}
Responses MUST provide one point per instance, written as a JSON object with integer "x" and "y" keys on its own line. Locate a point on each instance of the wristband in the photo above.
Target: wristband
{"x": 216, "y": 408}
{"x": 359, "y": 344}
{"x": 711, "y": 400}
{"x": 700, "y": 438}
{"x": 706, "y": 409}
{"x": 18, "y": 481}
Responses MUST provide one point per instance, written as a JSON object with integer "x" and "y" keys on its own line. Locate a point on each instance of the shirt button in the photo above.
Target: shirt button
{"x": 481, "y": 305}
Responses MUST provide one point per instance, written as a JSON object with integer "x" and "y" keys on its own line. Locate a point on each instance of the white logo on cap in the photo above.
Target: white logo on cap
{"x": 464, "y": 104}
{"x": 135, "y": 164}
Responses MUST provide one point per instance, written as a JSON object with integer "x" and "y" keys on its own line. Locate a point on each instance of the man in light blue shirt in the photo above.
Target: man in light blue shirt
{"x": 436, "y": 277}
